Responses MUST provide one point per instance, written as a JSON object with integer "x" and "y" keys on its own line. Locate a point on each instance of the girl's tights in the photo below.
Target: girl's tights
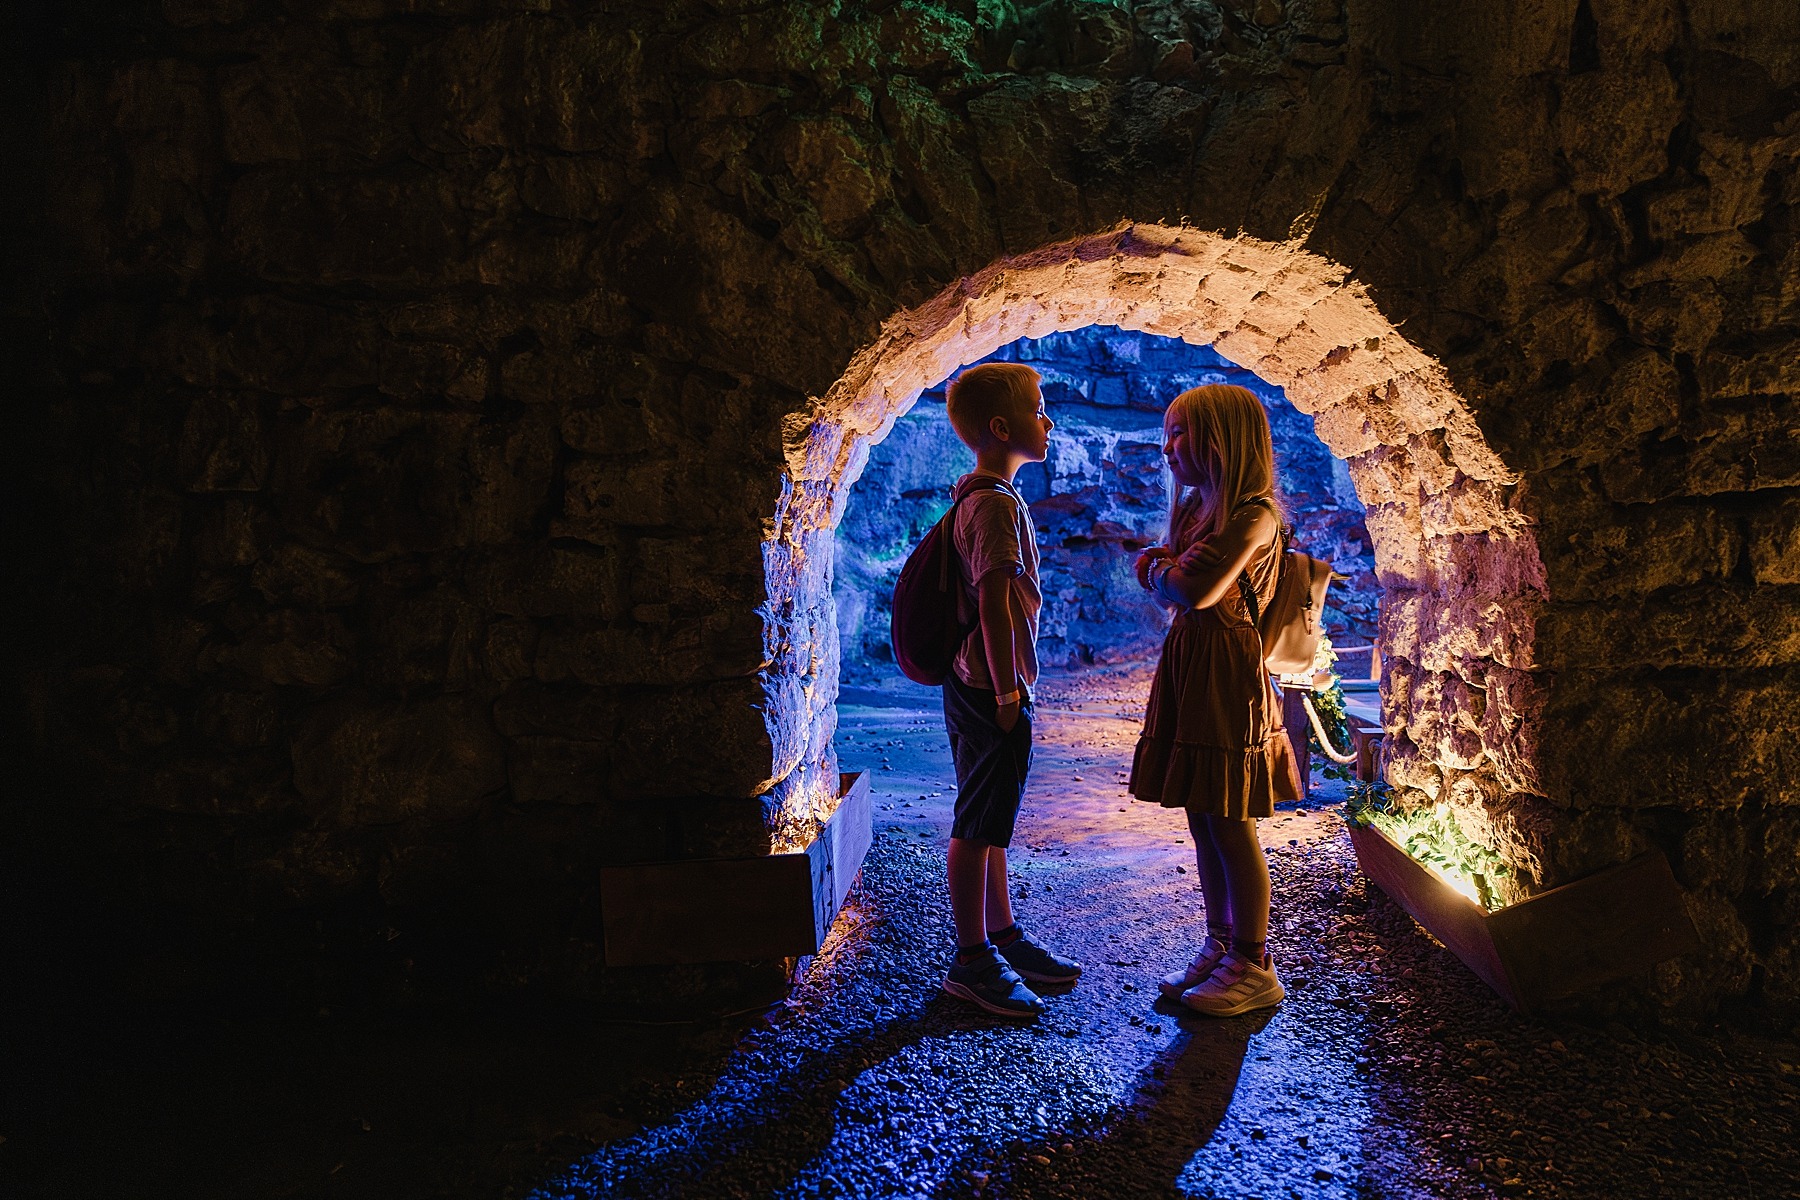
{"x": 1234, "y": 876}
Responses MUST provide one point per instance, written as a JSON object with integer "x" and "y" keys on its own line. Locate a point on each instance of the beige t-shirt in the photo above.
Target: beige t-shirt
{"x": 993, "y": 533}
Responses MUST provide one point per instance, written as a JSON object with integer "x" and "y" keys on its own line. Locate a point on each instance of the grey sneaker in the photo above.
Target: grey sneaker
{"x": 1037, "y": 964}
{"x": 1210, "y": 956}
{"x": 988, "y": 983}
{"x": 1236, "y": 985}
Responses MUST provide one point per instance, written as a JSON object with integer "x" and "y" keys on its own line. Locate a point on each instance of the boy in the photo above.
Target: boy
{"x": 998, "y": 412}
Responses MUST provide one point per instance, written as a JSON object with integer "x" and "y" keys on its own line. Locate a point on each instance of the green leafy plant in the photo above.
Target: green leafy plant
{"x": 1328, "y": 702}
{"x": 1430, "y": 836}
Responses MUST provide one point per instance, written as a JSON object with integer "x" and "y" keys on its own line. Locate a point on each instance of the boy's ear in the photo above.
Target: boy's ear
{"x": 999, "y": 428}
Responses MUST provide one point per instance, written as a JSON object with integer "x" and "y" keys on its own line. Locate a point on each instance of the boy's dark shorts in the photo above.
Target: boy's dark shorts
{"x": 991, "y": 764}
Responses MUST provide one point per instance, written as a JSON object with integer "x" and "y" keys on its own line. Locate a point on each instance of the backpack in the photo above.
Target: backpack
{"x": 1291, "y": 627}
{"x": 928, "y": 627}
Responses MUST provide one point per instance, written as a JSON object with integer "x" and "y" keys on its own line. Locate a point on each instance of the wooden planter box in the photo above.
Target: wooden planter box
{"x": 737, "y": 909}
{"x": 1619, "y": 922}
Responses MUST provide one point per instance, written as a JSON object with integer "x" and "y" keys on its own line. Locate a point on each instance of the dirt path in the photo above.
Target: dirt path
{"x": 1390, "y": 1071}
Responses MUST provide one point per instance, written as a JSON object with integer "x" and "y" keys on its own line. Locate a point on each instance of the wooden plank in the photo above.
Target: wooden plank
{"x": 1452, "y": 918}
{"x": 1299, "y": 731}
{"x": 1617, "y": 923}
{"x": 708, "y": 910}
{"x": 1365, "y": 740}
{"x": 738, "y": 909}
{"x": 848, "y": 835}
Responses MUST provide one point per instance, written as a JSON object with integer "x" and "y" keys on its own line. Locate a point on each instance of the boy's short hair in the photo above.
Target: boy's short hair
{"x": 979, "y": 394}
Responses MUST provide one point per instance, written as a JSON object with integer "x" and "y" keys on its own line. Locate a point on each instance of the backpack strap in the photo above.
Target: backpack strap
{"x": 1245, "y": 588}
{"x": 977, "y": 483}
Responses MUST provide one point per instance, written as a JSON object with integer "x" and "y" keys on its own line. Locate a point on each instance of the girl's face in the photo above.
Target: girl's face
{"x": 1185, "y": 452}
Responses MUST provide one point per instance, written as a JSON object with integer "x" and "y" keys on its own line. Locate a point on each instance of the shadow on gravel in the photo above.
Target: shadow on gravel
{"x": 1142, "y": 1147}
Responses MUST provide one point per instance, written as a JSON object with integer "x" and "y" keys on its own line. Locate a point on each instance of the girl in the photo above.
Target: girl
{"x": 1213, "y": 739}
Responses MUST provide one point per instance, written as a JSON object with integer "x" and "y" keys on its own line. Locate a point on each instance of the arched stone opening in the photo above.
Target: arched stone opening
{"x": 1101, "y": 494}
{"x": 1455, "y": 553}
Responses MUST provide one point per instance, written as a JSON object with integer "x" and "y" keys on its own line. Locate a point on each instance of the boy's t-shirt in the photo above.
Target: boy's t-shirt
{"x": 993, "y": 533}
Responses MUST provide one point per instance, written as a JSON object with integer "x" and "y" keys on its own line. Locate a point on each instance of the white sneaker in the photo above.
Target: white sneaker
{"x": 1211, "y": 953}
{"x": 1235, "y": 986}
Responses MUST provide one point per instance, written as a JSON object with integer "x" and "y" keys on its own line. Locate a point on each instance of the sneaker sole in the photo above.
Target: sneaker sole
{"x": 1034, "y": 977}
{"x": 964, "y": 993}
{"x": 1243, "y": 1006}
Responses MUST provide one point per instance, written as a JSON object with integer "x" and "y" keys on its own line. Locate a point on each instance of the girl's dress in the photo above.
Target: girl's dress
{"x": 1213, "y": 738}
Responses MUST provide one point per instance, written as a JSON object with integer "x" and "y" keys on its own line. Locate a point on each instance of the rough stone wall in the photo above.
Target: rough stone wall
{"x": 1101, "y": 494}
{"x": 420, "y": 384}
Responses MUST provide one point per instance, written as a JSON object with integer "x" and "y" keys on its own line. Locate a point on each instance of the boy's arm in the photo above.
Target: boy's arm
{"x": 994, "y": 598}
{"x": 1202, "y": 575}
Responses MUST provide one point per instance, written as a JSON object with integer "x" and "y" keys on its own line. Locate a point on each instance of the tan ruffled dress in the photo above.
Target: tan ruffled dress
{"x": 1213, "y": 738}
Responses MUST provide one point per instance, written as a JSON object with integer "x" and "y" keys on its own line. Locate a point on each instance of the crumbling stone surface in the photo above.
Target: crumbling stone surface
{"x": 446, "y": 419}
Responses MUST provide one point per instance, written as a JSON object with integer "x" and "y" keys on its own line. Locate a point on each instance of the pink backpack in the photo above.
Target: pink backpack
{"x": 928, "y": 627}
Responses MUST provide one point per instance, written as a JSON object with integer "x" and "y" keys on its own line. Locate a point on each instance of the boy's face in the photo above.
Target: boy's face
{"x": 1029, "y": 431}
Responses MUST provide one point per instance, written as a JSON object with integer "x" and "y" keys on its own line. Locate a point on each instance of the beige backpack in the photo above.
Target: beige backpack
{"x": 1294, "y": 621}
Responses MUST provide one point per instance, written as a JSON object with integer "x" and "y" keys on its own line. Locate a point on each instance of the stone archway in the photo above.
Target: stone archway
{"x": 1455, "y": 554}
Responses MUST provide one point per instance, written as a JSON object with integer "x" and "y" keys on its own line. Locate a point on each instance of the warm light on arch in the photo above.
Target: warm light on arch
{"x": 1454, "y": 553}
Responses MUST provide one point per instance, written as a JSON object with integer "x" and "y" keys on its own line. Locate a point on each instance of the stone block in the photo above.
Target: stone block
{"x": 1775, "y": 543}
{"x": 573, "y": 188}
{"x": 1692, "y": 740}
{"x": 290, "y": 225}
{"x": 508, "y": 649}
{"x": 1011, "y": 125}
{"x": 1709, "y": 625}
{"x": 1730, "y": 452}
{"x": 1715, "y": 852}
{"x": 544, "y": 770}
{"x": 422, "y": 370}
{"x": 363, "y": 762}
{"x": 283, "y": 347}
{"x": 422, "y": 639}
{"x": 567, "y": 579}
{"x": 307, "y": 869}
{"x": 598, "y": 497}
{"x": 1613, "y": 124}
{"x": 573, "y": 86}
{"x": 1722, "y": 965}
{"x": 1640, "y": 549}
{"x": 678, "y": 650}
{"x": 287, "y": 647}
{"x": 239, "y": 785}
{"x": 1587, "y": 419}
{"x": 1565, "y": 845}
{"x": 412, "y": 876}
{"x": 1777, "y": 859}
{"x": 302, "y": 576}
{"x": 619, "y": 428}
{"x": 378, "y": 483}
{"x": 529, "y": 709}
{"x": 710, "y": 739}
{"x": 224, "y": 444}
{"x": 237, "y": 718}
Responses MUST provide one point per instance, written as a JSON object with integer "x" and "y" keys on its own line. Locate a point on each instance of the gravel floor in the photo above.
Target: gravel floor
{"x": 1390, "y": 1071}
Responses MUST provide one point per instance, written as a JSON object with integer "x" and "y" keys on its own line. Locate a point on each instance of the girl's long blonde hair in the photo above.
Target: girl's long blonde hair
{"x": 1232, "y": 430}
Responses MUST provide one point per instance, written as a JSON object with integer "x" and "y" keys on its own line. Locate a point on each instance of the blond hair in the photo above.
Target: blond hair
{"x": 979, "y": 394}
{"x": 1229, "y": 431}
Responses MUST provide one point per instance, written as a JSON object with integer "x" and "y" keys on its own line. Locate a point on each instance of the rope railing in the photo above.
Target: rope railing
{"x": 1318, "y": 728}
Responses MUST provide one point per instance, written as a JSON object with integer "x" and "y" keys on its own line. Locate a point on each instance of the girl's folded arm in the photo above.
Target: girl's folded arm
{"x": 1204, "y": 572}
